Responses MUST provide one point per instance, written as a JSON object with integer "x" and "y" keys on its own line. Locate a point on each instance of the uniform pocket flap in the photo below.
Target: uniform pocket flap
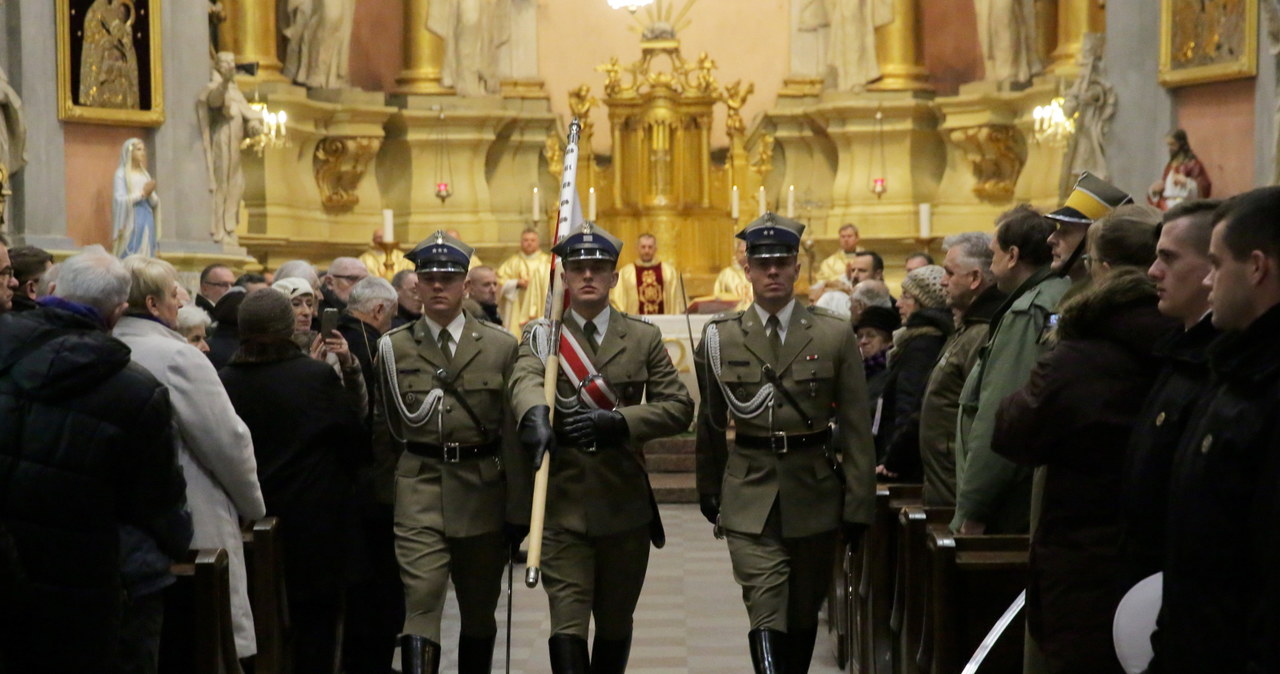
{"x": 814, "y": 369}
{"x": 740, "y": 375}
{"x": 482, "y": 381}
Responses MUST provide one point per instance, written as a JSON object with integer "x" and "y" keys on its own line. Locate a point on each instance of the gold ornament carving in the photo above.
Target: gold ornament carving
{"x": 997, "y": 153}
{"x": 339, "y": 164}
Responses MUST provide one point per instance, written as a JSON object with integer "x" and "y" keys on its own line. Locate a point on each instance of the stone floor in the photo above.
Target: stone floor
{"x": 690, "y": 617}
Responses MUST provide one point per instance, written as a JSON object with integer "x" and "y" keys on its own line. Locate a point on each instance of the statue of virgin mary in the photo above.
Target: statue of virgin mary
{"x": 135, "y": 206}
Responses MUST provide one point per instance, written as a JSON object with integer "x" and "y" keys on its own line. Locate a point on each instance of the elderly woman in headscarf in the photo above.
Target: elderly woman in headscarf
{"x": 135, "y": 206}
{"x": 309, "y": 443}
{"x": 331, "y": 348}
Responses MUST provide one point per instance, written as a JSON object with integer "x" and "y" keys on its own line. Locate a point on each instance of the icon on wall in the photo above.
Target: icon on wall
{"x": 109, "y": 57}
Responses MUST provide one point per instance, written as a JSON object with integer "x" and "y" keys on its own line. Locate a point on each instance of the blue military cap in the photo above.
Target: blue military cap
{"x": 590, "y": 242}
{"x": 441, "y": 252}
{"x": 772, "y": 235}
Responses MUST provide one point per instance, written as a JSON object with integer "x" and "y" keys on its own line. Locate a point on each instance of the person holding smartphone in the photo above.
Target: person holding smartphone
{"x": 326, "y": 345}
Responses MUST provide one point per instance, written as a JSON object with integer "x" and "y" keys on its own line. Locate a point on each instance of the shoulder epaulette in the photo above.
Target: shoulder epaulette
{"x": 495, "y": 326}
{"x": 400, "y": 328}
{"x": 725, "y": 316}
{"x": 639, "y": 319}
{"x": 825, "y": 312}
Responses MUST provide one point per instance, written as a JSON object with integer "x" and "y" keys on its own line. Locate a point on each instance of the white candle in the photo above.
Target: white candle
{"x": 591, "y": 204}
{"x": 763, "y": 202}
{"x": 733, "y": 203}
{"x": 791, "y": 201}
{"x": 537, "y": 206}
{"x": 388, "y": 225}
{"x": 926, "y": 221}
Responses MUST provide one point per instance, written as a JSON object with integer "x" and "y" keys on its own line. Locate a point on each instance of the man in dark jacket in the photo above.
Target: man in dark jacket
{"x": 86, "y": 450}
{"x": 973, "y": 297}
{"x": 29, "y": 266}
{"x": 1182, "y": 262}
{"x": 8, "y": 283}
{"x": 1220, "y": 590}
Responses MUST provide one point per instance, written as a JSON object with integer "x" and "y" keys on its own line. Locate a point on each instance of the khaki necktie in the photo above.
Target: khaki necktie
{"x": 774, "y": 327}
{"x": 589, "y": 331}
{"x": 445, "y": 340}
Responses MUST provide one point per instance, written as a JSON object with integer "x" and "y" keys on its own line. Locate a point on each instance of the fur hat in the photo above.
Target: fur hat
{"x": 264, "y": 315}
{"x": 925, "y": 284}
{"x": 880, "y": 318}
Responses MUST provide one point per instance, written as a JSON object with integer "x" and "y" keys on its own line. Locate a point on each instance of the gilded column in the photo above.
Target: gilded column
{"x": 1075, "y": 18}
{"x": 898, "y": 50}
{"x": 423, "y": 53}
{"x": 250, "y": 32}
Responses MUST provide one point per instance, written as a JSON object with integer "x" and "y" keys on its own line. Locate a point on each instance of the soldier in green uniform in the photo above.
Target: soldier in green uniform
{"x": 601, "y": 517}
{"x": 462, "y": 484}
{"x": 802, "y": 464}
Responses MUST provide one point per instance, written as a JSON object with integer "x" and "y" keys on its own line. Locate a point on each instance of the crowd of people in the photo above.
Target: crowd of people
{"x": 1103, "y": 377}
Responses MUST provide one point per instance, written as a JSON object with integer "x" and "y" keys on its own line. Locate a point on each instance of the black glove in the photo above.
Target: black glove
{"x": 853, "y": 532}
{"x": 514, "y": 535}
{"x": 593, "y": 426}
{"x": 710, "y": 506}
{"x": 536, "y": 436}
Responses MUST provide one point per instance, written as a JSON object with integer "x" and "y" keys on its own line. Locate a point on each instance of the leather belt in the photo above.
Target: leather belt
{"x": 452, "y": 452}
{"x": 781, "y": 443}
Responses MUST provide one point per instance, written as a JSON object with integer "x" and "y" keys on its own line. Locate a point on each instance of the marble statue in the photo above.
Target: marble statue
{"x": 135, "y": 206}
{"x": 13, "y": 130}
{"x": 319, "y": 42}
{"x": 474, "y": 32}
{"x": 850, "y": 27}
{"x": 108, "y": 62}
{"x": 225, "y": 120}
{"x": 1007, "y": 33}
{"x": 1091, "y": 101}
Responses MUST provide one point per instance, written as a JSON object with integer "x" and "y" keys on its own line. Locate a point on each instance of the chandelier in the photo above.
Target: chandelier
{"x": 274, "y": 133}
{"x": 630, "y": 5}
{"x": 1052, "y": 126}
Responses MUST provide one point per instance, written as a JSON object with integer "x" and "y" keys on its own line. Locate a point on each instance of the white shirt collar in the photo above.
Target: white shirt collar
{"x": 454, "y": 327}
{"x": 601, "y": 320}
{"x": 784, "y": 317}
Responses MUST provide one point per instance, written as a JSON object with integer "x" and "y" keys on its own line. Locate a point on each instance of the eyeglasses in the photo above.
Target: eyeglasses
{"x": 225, "y": 285}
{"x": 346, "y": 277}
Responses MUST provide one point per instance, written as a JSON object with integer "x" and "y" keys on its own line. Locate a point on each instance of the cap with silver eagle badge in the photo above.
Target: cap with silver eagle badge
{"x": 441, "y": 253}
{"x": 772, "y": 235}
{"x": 588, "y": 242}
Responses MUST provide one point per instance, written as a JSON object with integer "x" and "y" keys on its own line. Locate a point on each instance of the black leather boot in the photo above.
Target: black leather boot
{"x": 609, "y": 656}
{"x": 800, "y": 650}
{"x": 419, "y": 655}
{"x": 568, "y": 654}
{"x": 475, "y": 654}
{"x": 768, "y": 651}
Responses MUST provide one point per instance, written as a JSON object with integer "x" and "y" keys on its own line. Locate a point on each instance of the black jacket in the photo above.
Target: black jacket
{"x": 1175, "y": 401}
{"x": 362, "y": 340}
{"x": 915, "y": 352}
{"x": 1221, "y": 609}
{"x": 86, "y": 446}
{"x": 309, "y": 442}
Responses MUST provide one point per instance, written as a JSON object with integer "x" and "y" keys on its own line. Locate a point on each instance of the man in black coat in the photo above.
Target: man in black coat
{"x": 1182, "y": 262}
{"x": 86, "y": 450}
{"x": 1221, "y": 591}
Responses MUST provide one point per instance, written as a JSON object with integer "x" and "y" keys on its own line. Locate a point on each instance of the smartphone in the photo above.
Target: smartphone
{"x": 328, "y": 323}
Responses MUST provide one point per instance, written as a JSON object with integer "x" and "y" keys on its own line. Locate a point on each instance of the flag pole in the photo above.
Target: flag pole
{"x": 554, "y": 314}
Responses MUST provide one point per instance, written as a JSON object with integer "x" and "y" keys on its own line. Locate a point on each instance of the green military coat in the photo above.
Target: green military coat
{"x": 821, "y": 366}
{"x": 990, "y": 488}
{"x": 607, "y": 492}
{"x": 472, "y": 496}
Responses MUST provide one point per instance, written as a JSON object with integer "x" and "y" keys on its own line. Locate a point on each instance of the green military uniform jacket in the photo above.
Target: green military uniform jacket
{"x": 607, "y": 492}
{"x": 821, "y": 366}
{"x": 473, "y": 496}
{"x": 990, "y": 488}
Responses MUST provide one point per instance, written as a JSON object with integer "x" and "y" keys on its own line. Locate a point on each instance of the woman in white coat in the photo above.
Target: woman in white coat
{"x": 215, "y": 449}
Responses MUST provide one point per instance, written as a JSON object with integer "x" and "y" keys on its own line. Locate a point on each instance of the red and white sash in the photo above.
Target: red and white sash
{"x": 593, "y": 390}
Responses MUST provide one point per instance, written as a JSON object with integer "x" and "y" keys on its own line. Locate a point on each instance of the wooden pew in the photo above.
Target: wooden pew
{"x": 871, "y": 580}
{"x": 909, "y": 599}
{"x": 972, "y": 580}
{"x": 264, "y": 565}
{"x": 197, "y": 636}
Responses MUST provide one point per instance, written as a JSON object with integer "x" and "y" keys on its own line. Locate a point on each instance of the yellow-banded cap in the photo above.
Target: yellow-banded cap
{"x": 1091, "y": 199}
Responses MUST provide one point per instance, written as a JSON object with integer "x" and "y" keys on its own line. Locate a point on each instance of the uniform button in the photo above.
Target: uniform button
{"x": 740, "y": 392}
{"x": 448, "y": 408}
{"x": 410, "y": 398}
{"x": 1160, "y": 419}
{"x": 1208, "y": 442}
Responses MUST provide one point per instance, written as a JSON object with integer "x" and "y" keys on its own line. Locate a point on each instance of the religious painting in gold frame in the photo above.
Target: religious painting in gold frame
{"x": 1207, "y": 41}
{"x": 109, "y": 62}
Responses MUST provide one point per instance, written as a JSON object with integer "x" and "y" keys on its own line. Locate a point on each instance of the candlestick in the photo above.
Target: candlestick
{"x": 926, "y": 221}
{"x": 791, "y": 201}
{"x": 591, "y": 204}
{"x": 764, "y": 205}
{"x": 388, "y": 225}
{"x": 733, "y": 203}
{"x": 537, "y": 206}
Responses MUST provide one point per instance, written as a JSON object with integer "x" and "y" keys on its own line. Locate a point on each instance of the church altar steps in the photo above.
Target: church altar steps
{"x": 670, "y": 462}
